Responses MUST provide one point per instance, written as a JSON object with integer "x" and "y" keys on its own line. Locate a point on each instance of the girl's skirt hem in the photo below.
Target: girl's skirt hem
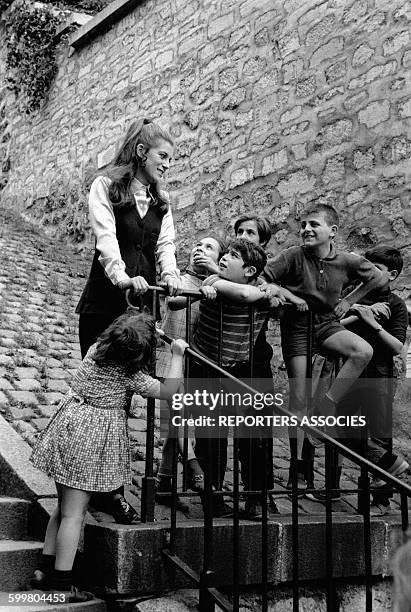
{"x": 82, "y": 486}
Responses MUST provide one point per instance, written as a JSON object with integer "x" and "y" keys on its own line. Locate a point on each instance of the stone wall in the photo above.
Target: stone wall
{"x": 271, "y": 103}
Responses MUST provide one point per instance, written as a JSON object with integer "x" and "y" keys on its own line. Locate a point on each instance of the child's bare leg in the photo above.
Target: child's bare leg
{"x": 297, "y": 376}
{"x": 357, "y": 353}
{"x": 49, "y": 547}
{"x": 74, "y": 505}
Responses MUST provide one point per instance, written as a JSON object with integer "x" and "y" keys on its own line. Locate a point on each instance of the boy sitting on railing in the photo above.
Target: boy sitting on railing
{"x": 204, "y": 257}
{"x": 317, "y": 273}
{"x": 237, "y": 282}
{"x": 381, "y": 319}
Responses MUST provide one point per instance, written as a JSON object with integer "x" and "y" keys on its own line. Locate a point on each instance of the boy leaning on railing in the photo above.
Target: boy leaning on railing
{"x": 237, "y": 285}
{"x": 317, "y": 273}
{"x": 381, "y": 319}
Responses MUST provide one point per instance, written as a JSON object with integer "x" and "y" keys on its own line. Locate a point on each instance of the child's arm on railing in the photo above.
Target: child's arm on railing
{"x": 376, "y": 279}
{"x": 393, "y": 344}
{"x": 238, "y": 292}
{"x": 380, "y": 310}
{"x": 174, "y": 377}
{"x": 284, "y": 295}
{"x": 177, "y": 303}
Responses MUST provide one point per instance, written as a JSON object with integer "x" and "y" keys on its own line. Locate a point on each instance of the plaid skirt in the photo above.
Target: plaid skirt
{"x": 85, "y": 447}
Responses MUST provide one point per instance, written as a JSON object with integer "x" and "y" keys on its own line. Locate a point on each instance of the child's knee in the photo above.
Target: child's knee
{"x": 362, "y": 352}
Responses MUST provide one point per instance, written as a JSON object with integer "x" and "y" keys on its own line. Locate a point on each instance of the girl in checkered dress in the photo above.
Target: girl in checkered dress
{"x": 85, "y": 447}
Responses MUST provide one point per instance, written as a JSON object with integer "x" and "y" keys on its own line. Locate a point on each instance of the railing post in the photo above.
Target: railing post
{"x": 148, "y": 488}
{"x": 206, "y": 602}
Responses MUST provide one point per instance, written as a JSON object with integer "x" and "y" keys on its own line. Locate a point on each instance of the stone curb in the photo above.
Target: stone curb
{"x": 18, "y": 477}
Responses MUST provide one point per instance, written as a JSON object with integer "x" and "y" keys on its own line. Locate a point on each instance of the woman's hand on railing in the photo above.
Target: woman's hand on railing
{"x": 137, "y": 284}
{"x": 209, "y": 292}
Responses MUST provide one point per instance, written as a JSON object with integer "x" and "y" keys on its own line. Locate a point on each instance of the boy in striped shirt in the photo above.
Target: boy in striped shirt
{"x": 238, "y": 284}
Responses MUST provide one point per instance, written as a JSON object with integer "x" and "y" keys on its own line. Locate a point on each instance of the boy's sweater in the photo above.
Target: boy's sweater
{"x": 318, "y": 281}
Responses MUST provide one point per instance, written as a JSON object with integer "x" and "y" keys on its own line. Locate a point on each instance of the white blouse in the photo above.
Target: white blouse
{"x": 103, "y": 224}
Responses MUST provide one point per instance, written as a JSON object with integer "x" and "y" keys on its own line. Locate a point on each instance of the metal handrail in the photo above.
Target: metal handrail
{"x": 341, "y": 448}
{"x": 209, "y": 595}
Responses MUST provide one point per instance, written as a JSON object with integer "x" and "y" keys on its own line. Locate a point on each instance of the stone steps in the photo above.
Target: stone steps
{"x": 18, "y": 560}
{"x": 13, "y": 518}
{"x": 128, "y": 560}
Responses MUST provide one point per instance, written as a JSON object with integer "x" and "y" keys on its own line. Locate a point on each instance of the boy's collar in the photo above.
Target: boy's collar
{"x": 331, "y": 255}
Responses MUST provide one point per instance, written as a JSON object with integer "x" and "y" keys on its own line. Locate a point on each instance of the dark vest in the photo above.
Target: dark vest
{"x": 137, "y": 240}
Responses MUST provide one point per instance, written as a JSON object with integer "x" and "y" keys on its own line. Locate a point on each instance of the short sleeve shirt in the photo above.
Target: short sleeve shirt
{"x": 318, "y": 281}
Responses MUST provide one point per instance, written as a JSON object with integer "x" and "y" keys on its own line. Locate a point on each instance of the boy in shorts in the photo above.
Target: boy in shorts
{"x": 381, "y": 319}
{"x": 317, "y": 273}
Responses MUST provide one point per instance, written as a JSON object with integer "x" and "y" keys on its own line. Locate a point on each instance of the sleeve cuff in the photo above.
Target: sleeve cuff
{"x": 119, "y": 277}
{"x": 165, "y": 276}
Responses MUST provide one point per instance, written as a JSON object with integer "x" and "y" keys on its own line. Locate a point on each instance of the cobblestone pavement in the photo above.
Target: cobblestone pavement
{"x": 40, "y": 283}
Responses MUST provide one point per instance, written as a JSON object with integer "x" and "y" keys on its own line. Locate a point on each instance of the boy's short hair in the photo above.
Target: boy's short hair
{"x": 263, "y": 227}
{"x": 329, "y": 212}
{"x": 251, "y": 254}
{"x": 386, "y": 255}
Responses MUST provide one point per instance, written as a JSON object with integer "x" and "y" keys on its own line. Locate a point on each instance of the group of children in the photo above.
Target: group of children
{"x": 365, "y": 328}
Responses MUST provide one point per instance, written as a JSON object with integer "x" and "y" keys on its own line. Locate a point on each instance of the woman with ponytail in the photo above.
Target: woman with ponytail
{"x": 131, "y": 219}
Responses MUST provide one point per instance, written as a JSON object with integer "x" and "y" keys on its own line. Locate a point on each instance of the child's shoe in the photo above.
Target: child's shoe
{"x": 254, "y": 509}
{"x": 123, "y": 512}
{"x": 301, "y": 483}
{"x": 163, "y": 485}
{"x": 380, "y": 509}
{"x": 397, "y": 467}
{"x": 219, "y": 509}
{"x": 222, "y": 510}
{"x": 335, "y": 494}
{"x": 195, "y": 476}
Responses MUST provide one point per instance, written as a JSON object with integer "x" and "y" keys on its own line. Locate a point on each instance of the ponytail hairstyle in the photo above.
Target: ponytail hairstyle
{"x": 127, "y": 341}
{"x": 126, "y": 162}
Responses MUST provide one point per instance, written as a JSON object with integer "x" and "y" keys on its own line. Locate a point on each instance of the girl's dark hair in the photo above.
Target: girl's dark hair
{"x": 126, "y": 162}
{"x": 128, "y": 341}
{"x": 263, "y": 227}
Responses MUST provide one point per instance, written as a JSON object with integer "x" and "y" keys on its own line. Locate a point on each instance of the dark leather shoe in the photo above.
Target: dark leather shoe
{"x": 122, "y": 512}
{"x": 165, "y": 499}
{"x": 253, "y": 511}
